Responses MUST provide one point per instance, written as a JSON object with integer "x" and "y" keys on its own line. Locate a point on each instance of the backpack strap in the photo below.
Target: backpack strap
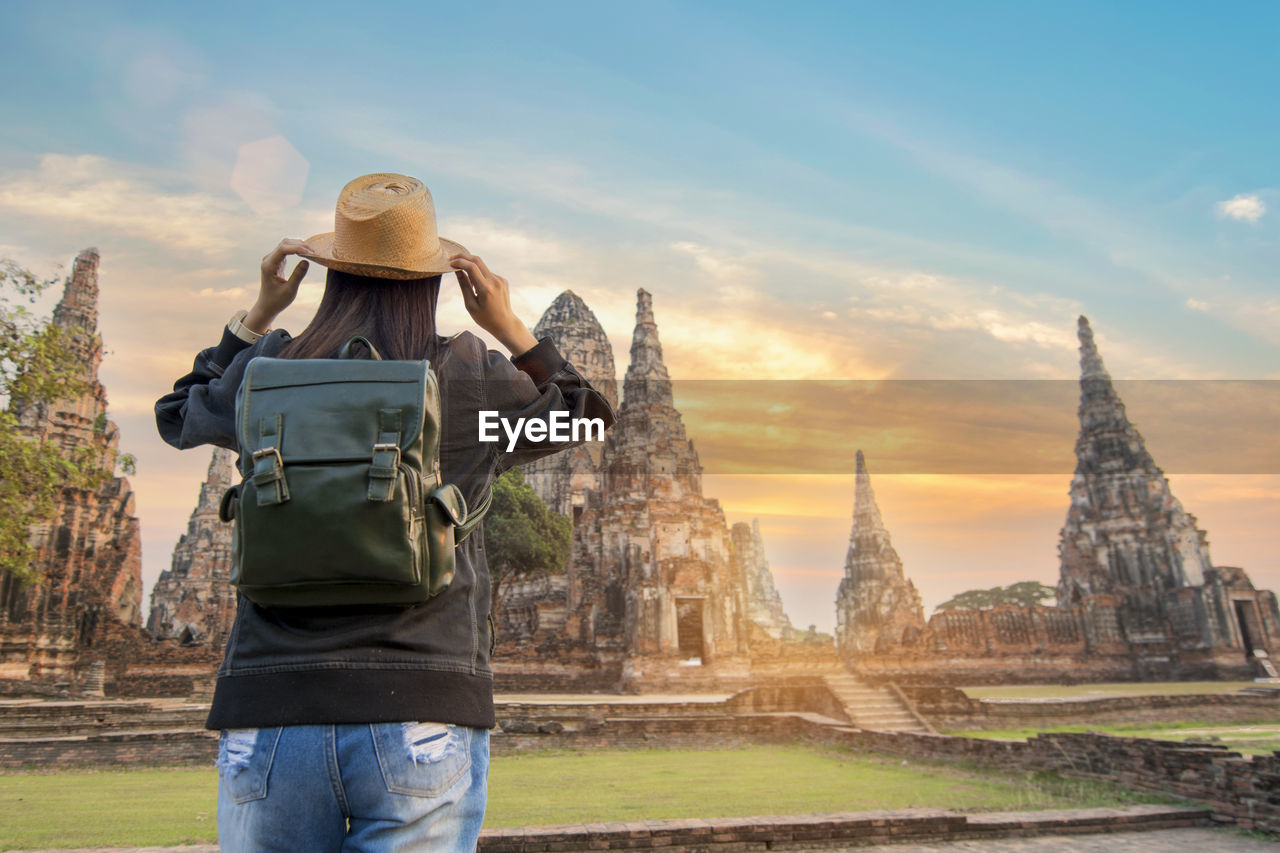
{"x": 268, "y": 465}
{"x": 386, "y": 456}
{"x": 463, "y": 530}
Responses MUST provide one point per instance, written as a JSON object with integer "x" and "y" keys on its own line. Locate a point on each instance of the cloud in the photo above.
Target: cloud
{"x": 95, "y": 191}
{"x": 1242, "y": 208}
{"x": 507, "y": 245}
{"x": 714, "y": 264}
{"x": 1197, "y": 304}
{"x": 227, "y": 293}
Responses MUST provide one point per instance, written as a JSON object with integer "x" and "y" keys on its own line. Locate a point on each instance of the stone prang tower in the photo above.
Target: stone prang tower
{"x": 877, "y": 608}
{"x": 653, "y": 574}
{"x": 89, "y": 557}
{"x": 193, "y": 602}
{"x": 1135, "y": 562}
{"x": 1126, "y": 534}
{"x": 564, "y": 479}
{"x": 764, "y": 604}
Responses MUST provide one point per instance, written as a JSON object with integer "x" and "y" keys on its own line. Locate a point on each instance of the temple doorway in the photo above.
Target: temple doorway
{"x": 1251, "y": 635}
{"x": 689, "y": 628}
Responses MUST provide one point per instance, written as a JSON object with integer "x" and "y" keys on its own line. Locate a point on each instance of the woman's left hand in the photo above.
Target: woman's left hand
{"x": 277, "y": 292}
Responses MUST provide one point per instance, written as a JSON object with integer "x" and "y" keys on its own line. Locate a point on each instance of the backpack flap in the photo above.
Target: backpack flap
{"x": 330, "y": 409}
{"x": 339, "y": 455}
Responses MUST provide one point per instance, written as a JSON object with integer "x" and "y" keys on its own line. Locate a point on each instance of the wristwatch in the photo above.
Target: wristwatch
{"x": 240, "y": 330}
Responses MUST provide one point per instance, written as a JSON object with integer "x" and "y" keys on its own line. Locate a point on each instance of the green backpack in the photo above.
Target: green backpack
{"x": 342, "y": 500}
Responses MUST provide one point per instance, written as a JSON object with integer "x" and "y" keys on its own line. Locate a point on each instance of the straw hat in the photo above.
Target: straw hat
{"x": 384, "y": 227}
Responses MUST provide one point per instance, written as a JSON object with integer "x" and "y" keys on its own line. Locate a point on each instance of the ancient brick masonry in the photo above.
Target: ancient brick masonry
{"x": 877, "y": 608}
{"x": 1138, "y": 595}
{"x": 1130, "y": 548}
{"x": 533, "y": 612}
{"x": 662, "y": 546}
{"x": 764, "y": 604}
{"x": 654, "y": 578}
{"x": 90, "y": 556}
{"x": 193, "y": 602}
{"x": 563, "y": 479}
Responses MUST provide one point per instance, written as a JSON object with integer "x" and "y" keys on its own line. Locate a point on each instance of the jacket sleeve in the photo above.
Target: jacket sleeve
{"x": 535, "y": 386}
{"x": 201, "y": 409}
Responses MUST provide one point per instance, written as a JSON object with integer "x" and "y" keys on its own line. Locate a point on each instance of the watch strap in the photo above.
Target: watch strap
{"x": 240, "y": 330}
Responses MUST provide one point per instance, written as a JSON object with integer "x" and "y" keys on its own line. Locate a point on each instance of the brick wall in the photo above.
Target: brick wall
{"x": 950, "y": 708}
{"x": 148, "y": 749}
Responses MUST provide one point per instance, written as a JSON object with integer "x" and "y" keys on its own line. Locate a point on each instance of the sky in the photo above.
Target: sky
{"x": 810, "y": 191}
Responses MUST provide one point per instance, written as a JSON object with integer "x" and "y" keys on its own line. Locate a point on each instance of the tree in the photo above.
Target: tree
{"x": 37, "y": 365}
{"x": 1022, "y": 594}
{"x": 523, "y": 538}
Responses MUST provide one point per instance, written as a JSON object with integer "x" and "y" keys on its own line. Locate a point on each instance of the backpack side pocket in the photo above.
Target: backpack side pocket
{"x": 446, "y": 509}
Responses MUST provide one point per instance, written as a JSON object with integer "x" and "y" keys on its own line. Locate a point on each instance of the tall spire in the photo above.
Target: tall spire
{"x": 78, "y": 307}
{"x": 1090, "y": 362}
{"x": 876, "y": 606}
{"x": 871, "y": 553}
{"x": 764, "y": 604}
{"x": 647, "y": 381}
{"x": 1125, "y": 530}
{"x": 866, "y": 512}
{"x": 1107, "y": 438}
{"x": 218, "y": 477}
{"x": 193, "y": 600}
{"x": 77, "y": 422}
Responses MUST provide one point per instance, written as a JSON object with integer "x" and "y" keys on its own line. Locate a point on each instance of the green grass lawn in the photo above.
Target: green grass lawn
{"x": 1251, "y": 738}
{"x": 1092, "y": 691}
{"x": 174, "y": 806}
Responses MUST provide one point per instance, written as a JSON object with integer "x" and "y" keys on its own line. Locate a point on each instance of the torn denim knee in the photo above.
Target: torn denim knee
{"x": 427, "y": 743}
{"x": 235, "y": 750}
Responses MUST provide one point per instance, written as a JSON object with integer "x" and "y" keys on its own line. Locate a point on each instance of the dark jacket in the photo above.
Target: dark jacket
{"x": 369, "y": 664}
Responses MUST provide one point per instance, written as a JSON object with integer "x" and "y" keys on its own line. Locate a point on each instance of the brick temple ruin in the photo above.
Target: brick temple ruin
{"x": 90, "y": 554}
{"x": 1138, "y": 596}
{"x": 81, "y": 622}
{"x": 193, "y": 601}
{"x": 657, "y": 584}
{"x": 659, "y": 591}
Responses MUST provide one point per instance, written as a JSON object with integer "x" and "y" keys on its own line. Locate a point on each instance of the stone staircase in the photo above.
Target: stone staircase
{"x": 876, "y": 708}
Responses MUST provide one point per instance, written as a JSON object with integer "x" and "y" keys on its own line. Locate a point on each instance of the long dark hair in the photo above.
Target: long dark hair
{"x": 397, "y": 316}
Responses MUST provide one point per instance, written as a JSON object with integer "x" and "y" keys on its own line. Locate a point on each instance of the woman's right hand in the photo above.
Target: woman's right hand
{"x": 277, "y": 292}
{"x": 487, "y": 297}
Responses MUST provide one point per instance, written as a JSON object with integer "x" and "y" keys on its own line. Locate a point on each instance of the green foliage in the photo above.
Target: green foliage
{"x": 1023, "y": 594}
{"x": 814, "y": 636}
{"x": 37, "y": 365}
{"x": 523, "y": 538}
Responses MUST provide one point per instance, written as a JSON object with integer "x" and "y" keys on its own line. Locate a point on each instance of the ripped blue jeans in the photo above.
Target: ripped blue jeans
{"x": 369, "y": 788}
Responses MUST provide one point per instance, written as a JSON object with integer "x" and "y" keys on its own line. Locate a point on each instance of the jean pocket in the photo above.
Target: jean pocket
{"x": 422, "y": 759}
{"x": 244, "y": 761}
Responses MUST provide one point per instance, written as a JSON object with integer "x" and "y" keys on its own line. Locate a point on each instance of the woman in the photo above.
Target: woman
{"x": 367, "y": 728}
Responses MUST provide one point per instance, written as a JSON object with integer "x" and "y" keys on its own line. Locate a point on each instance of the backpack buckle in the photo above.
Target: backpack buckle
{"x": 383, "y": 471}
{"x": 268, "y": 479}
{"x": 268, "y": 451}
{"x": 394, "y": 447}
